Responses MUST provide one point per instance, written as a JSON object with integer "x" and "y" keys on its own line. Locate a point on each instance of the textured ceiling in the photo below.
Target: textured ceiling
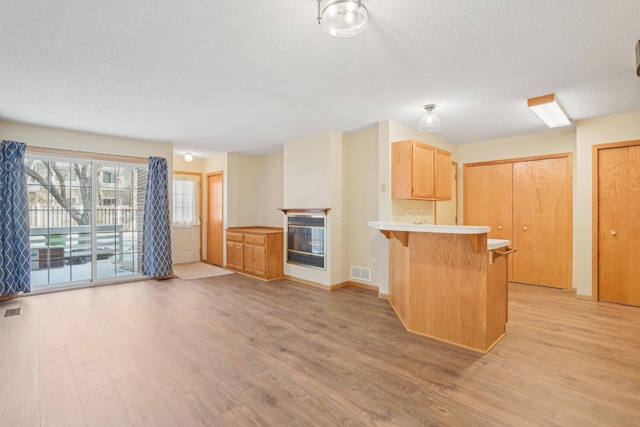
{"x": 212, "y": 76}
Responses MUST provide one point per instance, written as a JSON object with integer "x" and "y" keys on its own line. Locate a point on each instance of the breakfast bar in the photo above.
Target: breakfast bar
{"x": 448, "y": 282}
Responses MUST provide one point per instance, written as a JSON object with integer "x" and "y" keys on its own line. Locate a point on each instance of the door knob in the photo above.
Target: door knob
{"x": 612, "y": 232}
{"x": 524, "y": 228}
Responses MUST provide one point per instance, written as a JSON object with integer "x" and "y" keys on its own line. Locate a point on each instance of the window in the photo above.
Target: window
{"x": 85, "y": 225}
{"x": 185, "y": 201}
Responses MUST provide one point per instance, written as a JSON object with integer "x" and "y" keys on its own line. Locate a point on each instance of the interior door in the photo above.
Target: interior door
{"x": 187, "y": 245}
{"x": 542, "y": 222}
{"x": 488, "y": 192}
{"x": 215, "y": 226}
{"x": 619, "y": 225}
{"x": 488, "y": 198}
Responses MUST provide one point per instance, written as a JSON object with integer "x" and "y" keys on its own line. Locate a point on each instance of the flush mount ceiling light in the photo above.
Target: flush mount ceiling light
{"x": 343, "y": 18}
{"x": 188, "y": 157}
{"x": 549, "y": 111}
{"x": 429, "y": 123}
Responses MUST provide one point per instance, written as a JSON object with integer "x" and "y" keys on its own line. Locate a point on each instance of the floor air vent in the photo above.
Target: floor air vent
{"x": 12, "y": 312}
{"x": 361, "y": 273}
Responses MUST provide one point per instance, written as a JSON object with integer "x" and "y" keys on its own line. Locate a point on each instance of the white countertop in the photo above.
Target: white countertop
{"x": 497, "y": 244}
{"x": 429, "y": 228}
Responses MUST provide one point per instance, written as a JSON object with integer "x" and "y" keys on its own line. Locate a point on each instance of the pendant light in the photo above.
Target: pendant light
{"x": 429, "y": 123}
{"x": 343, "y": 18}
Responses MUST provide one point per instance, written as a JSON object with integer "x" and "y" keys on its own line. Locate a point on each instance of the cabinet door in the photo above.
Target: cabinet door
{"x": 423, "y": 162}
{"x": 249, "y": 258}
{"x": 488, "y": 198}
{"x": 619, "y": 225}
{"x": 542, "y": 222}
{"x": 401, "y": 174}
{"x": 260, "y": 260}
{"x": 230, "y": 254}
{"x": 238, "y": 250}
{"x": 442, "y": 181}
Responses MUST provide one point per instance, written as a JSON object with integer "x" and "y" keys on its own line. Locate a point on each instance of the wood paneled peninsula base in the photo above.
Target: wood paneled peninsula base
{"x": 448, "y": 282}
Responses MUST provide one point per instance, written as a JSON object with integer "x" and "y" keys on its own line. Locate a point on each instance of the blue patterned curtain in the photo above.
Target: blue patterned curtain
{"x": 156, "y": 229}
{"x": 15, "y": 271}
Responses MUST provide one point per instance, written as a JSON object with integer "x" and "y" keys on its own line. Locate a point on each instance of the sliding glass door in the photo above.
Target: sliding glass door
{"x": 85, "y": 218}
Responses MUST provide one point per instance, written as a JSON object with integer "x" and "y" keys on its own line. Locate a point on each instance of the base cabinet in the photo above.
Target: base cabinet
{"x": 257, "y": 251}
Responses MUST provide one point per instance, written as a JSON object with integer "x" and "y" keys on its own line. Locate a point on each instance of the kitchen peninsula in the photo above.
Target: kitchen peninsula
{"x": 448, "y": 282}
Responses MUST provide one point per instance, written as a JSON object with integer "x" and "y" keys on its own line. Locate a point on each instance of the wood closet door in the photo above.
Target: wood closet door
{"x": 619, "y": 225}
{"x": 542, "y": 222}
{"x": 488, "y": 200}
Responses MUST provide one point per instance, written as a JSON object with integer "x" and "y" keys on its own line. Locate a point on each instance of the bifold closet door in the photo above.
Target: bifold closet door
{"x": 619, "y": 225}
{"x": 488, "y": 200}
{"x": 542, "y": 222}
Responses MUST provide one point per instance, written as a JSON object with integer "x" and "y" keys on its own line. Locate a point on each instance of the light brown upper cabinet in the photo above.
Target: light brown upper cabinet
{"x": 527, "y": 201}
{"x": 420, "y": 171}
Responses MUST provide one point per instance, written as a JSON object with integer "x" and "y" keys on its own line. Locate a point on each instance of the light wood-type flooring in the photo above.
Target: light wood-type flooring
{"x": 235, "y": 351}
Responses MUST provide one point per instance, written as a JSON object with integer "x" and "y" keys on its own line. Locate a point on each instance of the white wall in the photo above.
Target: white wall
{"x": 312, "y": 178}
{"x": 243, "y": 178}
{"x": 337, "y": 242}
{"x": 271, "y": 190}
{"x": 180, "y": 164}
{"x": 602, "y": 130}
{"x": 360, "y": 156}
{"x": 307, "y": 172}
{"x": 81, "y": 141}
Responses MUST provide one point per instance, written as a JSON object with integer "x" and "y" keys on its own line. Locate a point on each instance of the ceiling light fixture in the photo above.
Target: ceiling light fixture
{"x": 429, "y": 123}
{"x": 549, "y": 111}
{"x": 343, "y": 18}
{"x": 188, "y": 157}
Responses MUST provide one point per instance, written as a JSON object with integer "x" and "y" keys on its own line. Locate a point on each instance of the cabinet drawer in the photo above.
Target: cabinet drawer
{"x": 234, "y": 237}
{"x": 258, "y": 240}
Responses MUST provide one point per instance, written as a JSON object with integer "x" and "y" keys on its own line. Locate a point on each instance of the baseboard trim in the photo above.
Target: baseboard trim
{"x": 361, "y": 285}
{"x": 308, "y": 282}
{"x": 332, "y": 287}
{"x": 383, "y": 296}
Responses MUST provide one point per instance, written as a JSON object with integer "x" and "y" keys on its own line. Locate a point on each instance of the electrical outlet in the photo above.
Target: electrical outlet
{"x": 383, "y": 187}
{"x": 374, "y": 263}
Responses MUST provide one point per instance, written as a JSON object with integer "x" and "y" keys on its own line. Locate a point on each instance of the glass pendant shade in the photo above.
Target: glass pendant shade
{"x": 429, "y": 123}
{"x": 343, "y": 18}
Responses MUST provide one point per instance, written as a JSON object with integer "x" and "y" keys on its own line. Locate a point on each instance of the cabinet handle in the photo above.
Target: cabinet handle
{"x": 499, "y": 227}
{"x": 612, "y": 232}
{"x": 524, "y": 228}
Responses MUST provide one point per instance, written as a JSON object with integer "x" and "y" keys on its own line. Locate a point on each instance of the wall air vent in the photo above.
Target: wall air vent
{"x": 13, "y": 312}
{"x": 638, "y": 58}
{"x": 361, "y": 273}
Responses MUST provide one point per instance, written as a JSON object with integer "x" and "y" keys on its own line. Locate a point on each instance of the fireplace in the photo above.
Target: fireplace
{"x": 306, "y": 237}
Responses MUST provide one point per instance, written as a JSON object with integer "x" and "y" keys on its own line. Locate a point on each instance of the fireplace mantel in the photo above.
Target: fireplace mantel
{"x": 305, "y": 210}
